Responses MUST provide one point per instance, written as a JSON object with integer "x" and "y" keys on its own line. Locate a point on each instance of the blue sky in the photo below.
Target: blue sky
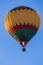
{"x": 10, "y": 51}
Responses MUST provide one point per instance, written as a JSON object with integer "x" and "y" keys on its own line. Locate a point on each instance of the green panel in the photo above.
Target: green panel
{"x": 23, "y": 33}
{"x": 14, "y": 36}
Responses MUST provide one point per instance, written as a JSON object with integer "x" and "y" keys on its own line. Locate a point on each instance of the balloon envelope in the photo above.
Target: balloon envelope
{"x": 22, "y": 23}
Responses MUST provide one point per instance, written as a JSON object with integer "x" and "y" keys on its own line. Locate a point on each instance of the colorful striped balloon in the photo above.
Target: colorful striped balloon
{"x": 22, "y": 23}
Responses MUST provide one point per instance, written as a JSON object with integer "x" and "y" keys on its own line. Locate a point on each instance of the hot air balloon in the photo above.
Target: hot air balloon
{"x": 22, "y": 23}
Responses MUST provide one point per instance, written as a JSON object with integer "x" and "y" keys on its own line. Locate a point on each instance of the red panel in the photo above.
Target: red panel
{"x": 24, "y": 26}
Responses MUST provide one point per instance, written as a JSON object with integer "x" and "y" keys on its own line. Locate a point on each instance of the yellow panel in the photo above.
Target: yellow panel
{"x": 22, "y": 16}
{"x": 6, "y": 23}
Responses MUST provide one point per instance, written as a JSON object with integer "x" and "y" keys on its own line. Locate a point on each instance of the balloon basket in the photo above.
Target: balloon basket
{"x": 24, "y": 49}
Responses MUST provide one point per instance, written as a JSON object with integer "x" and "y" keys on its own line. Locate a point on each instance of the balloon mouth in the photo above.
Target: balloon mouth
{"x": 23, "y": 42}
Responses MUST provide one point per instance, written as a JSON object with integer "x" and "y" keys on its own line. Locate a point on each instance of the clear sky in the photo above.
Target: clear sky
{"x": 10, "y": 51}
